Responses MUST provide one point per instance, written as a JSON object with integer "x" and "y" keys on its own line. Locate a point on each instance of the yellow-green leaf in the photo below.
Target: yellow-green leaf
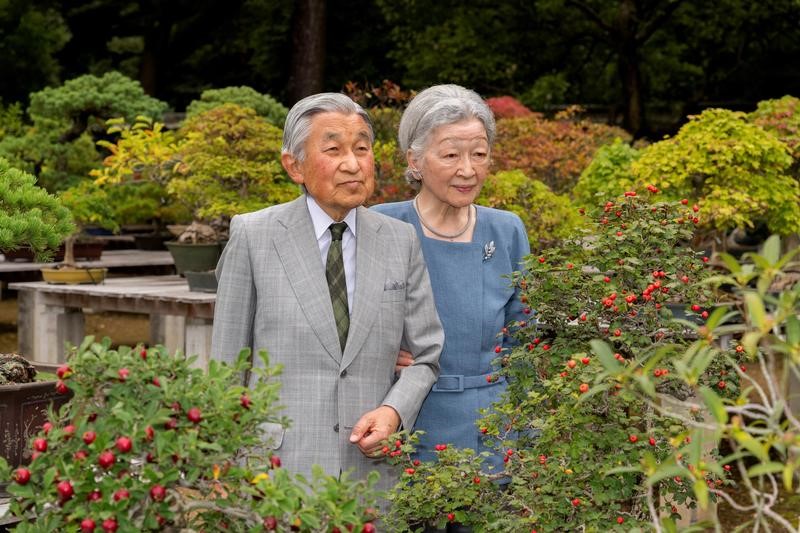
{"x": 714, "y": 404}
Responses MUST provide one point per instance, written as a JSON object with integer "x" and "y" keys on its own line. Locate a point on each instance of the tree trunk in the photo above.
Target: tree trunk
{"x": 308, "y": 50}
{"x": 69, "y": 252}
{"x": 631, "y": 79}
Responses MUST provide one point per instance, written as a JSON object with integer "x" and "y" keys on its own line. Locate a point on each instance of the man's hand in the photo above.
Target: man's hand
{"x": 373, "y": 428}
{"x": 404, "y": 359}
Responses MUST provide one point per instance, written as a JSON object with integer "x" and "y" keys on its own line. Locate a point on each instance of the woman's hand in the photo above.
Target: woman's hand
{"x": 404, "y": 359}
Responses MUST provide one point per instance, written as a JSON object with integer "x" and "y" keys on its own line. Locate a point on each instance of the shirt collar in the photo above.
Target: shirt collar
{"x": 322, "y": 220}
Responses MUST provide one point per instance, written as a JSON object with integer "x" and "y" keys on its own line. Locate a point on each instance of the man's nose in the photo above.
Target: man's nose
{"x": 349, "y": 162}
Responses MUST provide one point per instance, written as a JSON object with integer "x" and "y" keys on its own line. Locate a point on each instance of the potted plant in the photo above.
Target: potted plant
{"x": 33, "y": 218}
{"x": 135, "y": 175}
{"x": 88, "y": 205}
{"x": 149, "y": 442}
{"x": 572, "y": 437}
{"x": 229, "y": 164}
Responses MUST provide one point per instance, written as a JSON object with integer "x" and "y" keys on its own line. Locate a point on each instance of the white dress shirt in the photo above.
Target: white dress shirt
{"x": 322, "y": 222}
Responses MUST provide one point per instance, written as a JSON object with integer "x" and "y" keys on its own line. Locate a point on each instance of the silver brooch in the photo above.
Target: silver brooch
{"x": 488, "y": 250}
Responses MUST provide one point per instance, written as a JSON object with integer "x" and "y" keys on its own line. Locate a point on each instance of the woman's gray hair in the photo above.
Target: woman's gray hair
{"x": 297, "y": 128}
{"x": 437, "y": 106}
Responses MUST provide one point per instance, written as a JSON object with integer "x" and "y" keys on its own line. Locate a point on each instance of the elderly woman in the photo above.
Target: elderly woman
{"x": 447, "y": 133}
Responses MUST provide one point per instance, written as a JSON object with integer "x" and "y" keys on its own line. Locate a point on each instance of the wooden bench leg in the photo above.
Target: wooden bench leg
{"x": 198, "y": 340}
{"x": 43, "y": 329}
{"x": 168, "y": 330}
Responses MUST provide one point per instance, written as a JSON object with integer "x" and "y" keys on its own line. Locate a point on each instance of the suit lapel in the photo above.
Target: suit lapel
{"x": 369, "y": 283}
{"x": 298, "y": 250}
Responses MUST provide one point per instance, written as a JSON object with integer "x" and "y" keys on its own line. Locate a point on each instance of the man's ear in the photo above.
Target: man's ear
{"x": 293, "y": 168}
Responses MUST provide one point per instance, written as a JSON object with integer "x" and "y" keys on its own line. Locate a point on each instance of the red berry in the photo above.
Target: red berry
{"x": 584, "y": 387}
{"x": 194, "y": 415}
{"x": 22, "y": 476}
{"x": 633, "y": 438}
{"x": 416, "y": 462}
{"x": 61, "y": 387}
{"x": 46, "y": 427}
{"x": 685, "y": 279}
{"x": 440, "y": 447}
{"x": 143, "y": 353}
{"x": 576, "y": 502}
{"x": 65, "y": 490}
{"x": 727, "y": 468}
{"x": 570, "y": 266}
{"x": 685, "y": 201}
{"x": 607, "y": 279}
{"x": 89, "y": 436}
{"x": 244, "y": 401}
{"x": 451, "y": 517}
{"x": 109, "y": 525}
{"x": 275, "y": 461}
{"x": 95, "y": 496}
{"x": 721, "y": 384}
{"x": 63, "y": 372}
{"x": 617, "y": 332}
{"x": 121, "y": 494}
{"x": 156, "y": 382}
{"x": 509, "y": 452}
{"x": 106, "y": 459}
{"x": 545, "y": 347}
{"x": 80, "y": 455}
{"x": 69, "y": 431}
{"x": 124, "y": 444}
{"x": 123, "y": 374}
{"x": 695, "y": 307}
{"x": 40, "y": 445}
{"x": 158, "y": 493}
{"x": 87, "y": 525}
{"x": 149, "y": 433}
{"x": 410, "y": 471}
{"x": 542, "y": 259}
{"x": 369, "y": 527}
{"x": 571, "y": 363}
{"x": 476, "y": 480}
{"x": 652, "y": 441}
{"x": 620, "y": 520}
{"x": 270, "y": 523}
{"x": 497, "y": 349}
{"x": 585, "y": 360}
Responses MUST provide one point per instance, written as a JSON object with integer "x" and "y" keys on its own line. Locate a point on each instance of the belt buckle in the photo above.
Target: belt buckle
{"x": 458, "y": 384}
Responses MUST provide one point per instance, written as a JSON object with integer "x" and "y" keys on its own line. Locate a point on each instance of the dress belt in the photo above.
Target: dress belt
{"x": 459, "y": 382}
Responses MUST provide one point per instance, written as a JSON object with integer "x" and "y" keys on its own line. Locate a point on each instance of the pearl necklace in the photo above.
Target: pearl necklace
{"x": 451, "y": 236}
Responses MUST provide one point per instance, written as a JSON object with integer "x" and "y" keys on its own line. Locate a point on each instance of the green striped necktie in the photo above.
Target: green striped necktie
{"x": 334, "y": 272}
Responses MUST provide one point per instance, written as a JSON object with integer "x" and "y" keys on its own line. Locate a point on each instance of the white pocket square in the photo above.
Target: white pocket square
{"x": 394, "y": 285}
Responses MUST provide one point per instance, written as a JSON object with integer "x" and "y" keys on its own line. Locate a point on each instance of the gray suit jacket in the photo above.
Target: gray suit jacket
{"x": 273, "y": 295}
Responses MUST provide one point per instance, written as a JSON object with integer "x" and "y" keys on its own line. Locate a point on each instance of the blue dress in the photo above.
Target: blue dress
{"x": 474, "y": 301}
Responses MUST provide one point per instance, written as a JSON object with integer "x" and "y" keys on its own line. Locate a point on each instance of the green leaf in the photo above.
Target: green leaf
{"x": 606, "y": 355}
{"x": 755, "y": 309}
{"x": 792, "y": 329}
{"x": 731, "y": 262}
{"x": 788, "y": 475}
{"x": 752, "y": 445}
{"x": 771, "y": 467}
{"x": 771, "y": 251}
{"x": 714, "y": 404}
{"x": 701, "y": 492}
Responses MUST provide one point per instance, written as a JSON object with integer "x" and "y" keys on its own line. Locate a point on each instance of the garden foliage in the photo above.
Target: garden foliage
{"x": 569, "y": 430}
{"x": 552, "y": 151}
{"x": 548, "y": 217}
{"x": 150, "y": 442}
{"x": 263, "y": 104}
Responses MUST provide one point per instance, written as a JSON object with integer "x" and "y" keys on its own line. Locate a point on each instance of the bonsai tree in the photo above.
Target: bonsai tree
{"x": 574, "y": 437}
{"x": 59, "y": 147}
{"x": 29, "y": 215}
{"x": 150, "y": 442}
{"x": 229, "y": 164}
{"x": 136, "y": 172}
{"x": 89, "y": 205}
{"x": 263, "y": 104}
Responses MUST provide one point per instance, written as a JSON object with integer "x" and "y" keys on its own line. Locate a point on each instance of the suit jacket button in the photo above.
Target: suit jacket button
{"x": 343, "y": 374}
{"x": 336, "y": 428}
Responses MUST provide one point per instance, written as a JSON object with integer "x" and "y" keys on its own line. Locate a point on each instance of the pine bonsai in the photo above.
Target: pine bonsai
{"x": 29, "y": 216}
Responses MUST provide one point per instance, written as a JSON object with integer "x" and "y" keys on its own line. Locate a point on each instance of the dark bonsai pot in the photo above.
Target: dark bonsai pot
{"x": 190, "y": 257}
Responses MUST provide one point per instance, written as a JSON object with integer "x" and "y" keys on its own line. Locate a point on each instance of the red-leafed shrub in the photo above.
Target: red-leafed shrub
{"x": 507, "y": 107}
{"x": 552, "y": 151}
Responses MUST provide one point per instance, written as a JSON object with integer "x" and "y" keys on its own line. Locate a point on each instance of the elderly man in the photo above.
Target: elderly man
{"x": 332, "y": 291}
